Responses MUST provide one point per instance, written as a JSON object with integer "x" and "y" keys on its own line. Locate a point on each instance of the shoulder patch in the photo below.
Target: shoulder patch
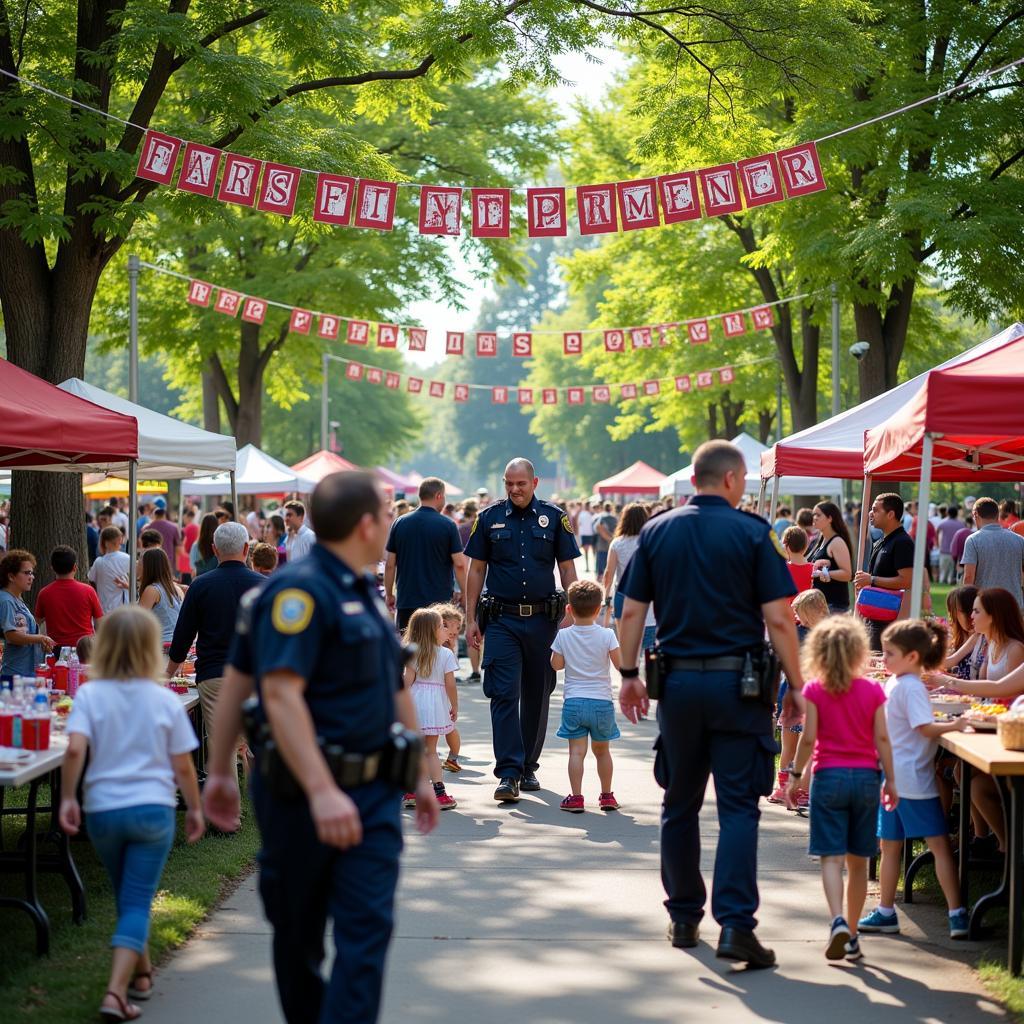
{"x": 292, "y": 611}
{"x": 777, "y": 544}
{"x": 476, "y": 523}
{"x": 566, "y": 525}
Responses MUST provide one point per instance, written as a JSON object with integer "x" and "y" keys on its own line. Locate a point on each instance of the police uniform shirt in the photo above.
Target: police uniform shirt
{"x": 521, "y": 548}
{"x": 708, "y": 568}
{"x": 322, "y": 621}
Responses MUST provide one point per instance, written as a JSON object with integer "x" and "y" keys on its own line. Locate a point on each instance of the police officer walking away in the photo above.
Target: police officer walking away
{"x": 318, "y": 643}
{"x": 716, "y": 576}
{"x": 514, "y": 547}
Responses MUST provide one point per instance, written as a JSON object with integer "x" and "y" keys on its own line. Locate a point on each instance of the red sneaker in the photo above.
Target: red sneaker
{"x": 573, "y": 804}
{"x": 409, "y": 801}
{"x": 446, "y": 802}
{"x": 779, "y": 795}
{"x": 607, "y": 802}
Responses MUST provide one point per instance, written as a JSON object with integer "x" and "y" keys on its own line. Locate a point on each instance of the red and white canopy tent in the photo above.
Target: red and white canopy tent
{"x": 633, "y": 481}
{"x": 964, "y": 422}
{"x": 836, "y": 445}
{"x": 321, "y": 464}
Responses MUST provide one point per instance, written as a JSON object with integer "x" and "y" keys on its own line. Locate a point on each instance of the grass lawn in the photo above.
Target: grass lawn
{"x": 67, "y": 986}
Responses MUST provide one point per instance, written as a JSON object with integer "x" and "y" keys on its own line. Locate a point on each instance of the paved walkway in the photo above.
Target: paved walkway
{"x": 529, "y": 915}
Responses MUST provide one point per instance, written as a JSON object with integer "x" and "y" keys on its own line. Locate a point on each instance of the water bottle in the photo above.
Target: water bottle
{"x": 74, "y": 671}
{"x": 18, "y": 707}
{"x": 6, "y": 714}
{"x": 39, "y": 730}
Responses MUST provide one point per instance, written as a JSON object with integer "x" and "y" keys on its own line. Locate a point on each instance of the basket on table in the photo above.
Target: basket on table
{"x": 1011, "y": 730}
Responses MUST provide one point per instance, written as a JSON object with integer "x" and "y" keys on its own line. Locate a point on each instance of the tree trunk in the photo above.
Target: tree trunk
{"x": 732, "y": 413}
{"x": 765, "y": 419}
{"x": 887, "y": 335}
{"x": 249, "y": 422}
{"x": 211, "y": 402}
{"x": 46, "y": 315}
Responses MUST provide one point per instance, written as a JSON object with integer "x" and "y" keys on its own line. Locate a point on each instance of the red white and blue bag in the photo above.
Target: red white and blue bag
{"x": 878, "y": 604}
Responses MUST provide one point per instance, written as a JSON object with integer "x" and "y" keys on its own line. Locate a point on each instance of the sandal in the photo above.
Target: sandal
{"x": 141, "y": 994}
{"x": 123, "y": 1011}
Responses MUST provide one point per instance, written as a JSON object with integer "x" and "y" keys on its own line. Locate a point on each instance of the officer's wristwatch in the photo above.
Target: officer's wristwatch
{"x": 629, "y": 673}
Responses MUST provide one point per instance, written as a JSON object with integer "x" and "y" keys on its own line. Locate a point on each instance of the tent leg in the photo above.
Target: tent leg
{"x": 234, "y": 494}
{"x": 921, "y": 534}
{"x": 775, "y": 500}
{"x": 760, "y": 497}
{"x": 133, "y": 511}
{"x": 862, "y": 531}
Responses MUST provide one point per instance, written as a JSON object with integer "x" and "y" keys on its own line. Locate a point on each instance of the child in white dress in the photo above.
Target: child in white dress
{"x": 431, "y": 677}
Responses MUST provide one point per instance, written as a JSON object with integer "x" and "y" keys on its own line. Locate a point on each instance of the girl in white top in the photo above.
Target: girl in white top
{"x": 140, "y": 741}
{"x": 431, "y": 677}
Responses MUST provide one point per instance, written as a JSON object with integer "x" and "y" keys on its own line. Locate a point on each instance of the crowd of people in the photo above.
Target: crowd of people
{"x": 870, "y": 746}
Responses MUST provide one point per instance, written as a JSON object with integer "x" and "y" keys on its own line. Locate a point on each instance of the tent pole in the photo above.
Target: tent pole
{"x": 862, "y": 531}
{"x": 921, "y": 535}
{"x": 234, "y": 494}
{"x": 775, "y": 500}
{"x": 760, "y": 496}
{"x": 133, "y": 511}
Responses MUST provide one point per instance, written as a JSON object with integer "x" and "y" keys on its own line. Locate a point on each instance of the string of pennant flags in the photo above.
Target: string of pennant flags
{"x": 358, "y": 331}
{"x": 345, "y": 200}
{"x": 573, "y": 394}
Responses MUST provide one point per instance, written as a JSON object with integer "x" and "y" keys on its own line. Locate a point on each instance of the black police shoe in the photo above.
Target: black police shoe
{"x": 739, "y": 944}
{"x": 507, "y": 791}
{"x": 682, "y": 935}
{"x": 529, "y": 783}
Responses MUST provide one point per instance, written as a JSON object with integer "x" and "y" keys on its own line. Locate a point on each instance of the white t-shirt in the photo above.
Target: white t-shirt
{"x": 300, "y": 543}
{"x": 134, "y": 728}
{"x": 587, "y": 668}
{"x": 103, "y": 572}
{"x": 913, "y": 756}
{"x": 444, "y": 661}
{"x": 585, "y": 523}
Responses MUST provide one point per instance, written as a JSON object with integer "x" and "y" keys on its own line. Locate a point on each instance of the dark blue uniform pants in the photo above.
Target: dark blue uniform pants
{"x": 705, "y": 728}
{"x": 519, "y": 680}
{"x": 303, "y": 882}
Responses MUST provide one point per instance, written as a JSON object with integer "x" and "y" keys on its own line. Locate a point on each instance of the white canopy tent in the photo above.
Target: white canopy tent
{"x": 168, "y": 448}
{"x": 679, "y": 483}
{"x": 257, "y": 473}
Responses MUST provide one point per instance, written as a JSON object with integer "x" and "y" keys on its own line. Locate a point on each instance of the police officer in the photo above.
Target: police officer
{"x": 716, "y": 576}
{"x": 516, "y": 544}
{"x": 320, "y": 647}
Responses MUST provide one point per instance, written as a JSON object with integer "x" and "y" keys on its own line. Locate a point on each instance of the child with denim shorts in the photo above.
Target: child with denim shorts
{"x": 909, "y": 648}
{"x": 845, "y": 729}
{"x": 585, "y": 650}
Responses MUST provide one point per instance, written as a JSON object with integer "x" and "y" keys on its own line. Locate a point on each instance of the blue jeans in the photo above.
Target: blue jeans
{"x": 133, "y": 843}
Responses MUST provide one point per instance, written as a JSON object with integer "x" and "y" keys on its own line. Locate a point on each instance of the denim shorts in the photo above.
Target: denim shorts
{"x": 913, "y": 819}
{"x": 844, "y": 810}
{"x": 584, "y": 716}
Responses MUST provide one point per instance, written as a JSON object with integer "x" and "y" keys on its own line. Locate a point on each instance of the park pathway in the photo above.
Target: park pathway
{"x": 529, "y": 915}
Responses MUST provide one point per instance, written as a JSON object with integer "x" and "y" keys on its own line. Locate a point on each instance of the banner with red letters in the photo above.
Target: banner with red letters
{"x": 346, "y": 201}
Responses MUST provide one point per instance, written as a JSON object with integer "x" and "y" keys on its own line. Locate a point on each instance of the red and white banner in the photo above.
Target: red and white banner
{"x": 524, "y": 396}
{"x": 522, "y": 345}
{"x": 611, "y": 207}
{"x": 486, "y": 343}
{"x": 227, "y": 302}
{"x": 455, "y": 343}
{"x": 358, "y": 332}
{"x": 572, "y": 343}
{"x": 328, "y": 327}
{"x": 254, "y": 311}
{"x": 499, "y": 395}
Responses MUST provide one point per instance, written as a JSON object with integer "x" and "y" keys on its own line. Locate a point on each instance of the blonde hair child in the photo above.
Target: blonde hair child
{"x": 451, "y": 620}
{"x": 140, "y": 743}
{"x": 431, "y": 678}
{"x": 845, "y": 730}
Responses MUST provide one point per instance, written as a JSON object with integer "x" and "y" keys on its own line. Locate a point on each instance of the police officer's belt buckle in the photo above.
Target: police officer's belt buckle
{"x": 525, "y": 611}
{"x": 366, "y": 765}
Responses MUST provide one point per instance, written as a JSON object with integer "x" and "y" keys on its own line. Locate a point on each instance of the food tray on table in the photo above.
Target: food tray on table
{"x": 984, "y": 716}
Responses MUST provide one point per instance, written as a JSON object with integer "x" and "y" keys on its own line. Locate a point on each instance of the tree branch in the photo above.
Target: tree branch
{"x": 220, "y": 32}
{"x": 979, "y": 53}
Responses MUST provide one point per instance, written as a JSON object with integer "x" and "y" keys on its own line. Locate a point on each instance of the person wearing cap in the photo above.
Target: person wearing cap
{"x": 170, "y": 535}
{"x": 483, "y": 499}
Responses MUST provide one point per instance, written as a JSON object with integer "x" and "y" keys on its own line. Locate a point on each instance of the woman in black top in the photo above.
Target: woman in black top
{"x": 834, "y": 552}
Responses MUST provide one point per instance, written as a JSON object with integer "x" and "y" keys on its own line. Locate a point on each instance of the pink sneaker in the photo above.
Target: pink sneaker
{"x": 779, "y": 796}
{"x": 409, "y": 801}
{"x": 607, "y": 802}
{"x": 573, "y": 804}
{"x": 446, "y": 802}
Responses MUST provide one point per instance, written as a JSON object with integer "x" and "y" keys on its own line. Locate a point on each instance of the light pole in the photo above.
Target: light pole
{"x": 836, "y": 389}
{"x": 133, "y": 328}
{"x": 324, "y": 401}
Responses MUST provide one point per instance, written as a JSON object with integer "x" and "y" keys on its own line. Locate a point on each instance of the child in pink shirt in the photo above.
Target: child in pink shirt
{"x": 845, "y": 729}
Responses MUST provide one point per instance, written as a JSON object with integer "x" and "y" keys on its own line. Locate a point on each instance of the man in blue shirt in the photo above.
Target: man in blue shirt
{"x": 716, "y": 577}
{"x": 515, "y": 545}
{"x": 425, "y": 550}
{"x": 208, "y": 614}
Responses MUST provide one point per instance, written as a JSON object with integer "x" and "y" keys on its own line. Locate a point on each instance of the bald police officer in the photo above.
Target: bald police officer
{"x": 514, "y": 548}
{"x": 319, "y": 645}
{"x": 716, "y": 576}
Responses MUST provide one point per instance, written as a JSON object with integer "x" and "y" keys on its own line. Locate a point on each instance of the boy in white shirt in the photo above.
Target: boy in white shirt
{"x": 109, "y": 573}
{"x": 585, "y": 651}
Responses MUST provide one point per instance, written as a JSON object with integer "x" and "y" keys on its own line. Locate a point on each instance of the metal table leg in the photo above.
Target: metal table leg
{"x": 1000, "y": 896}
{"x": 964, "y": 853}
{"x": 1014, "y": 852}
{"x": 24, "y": 861}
